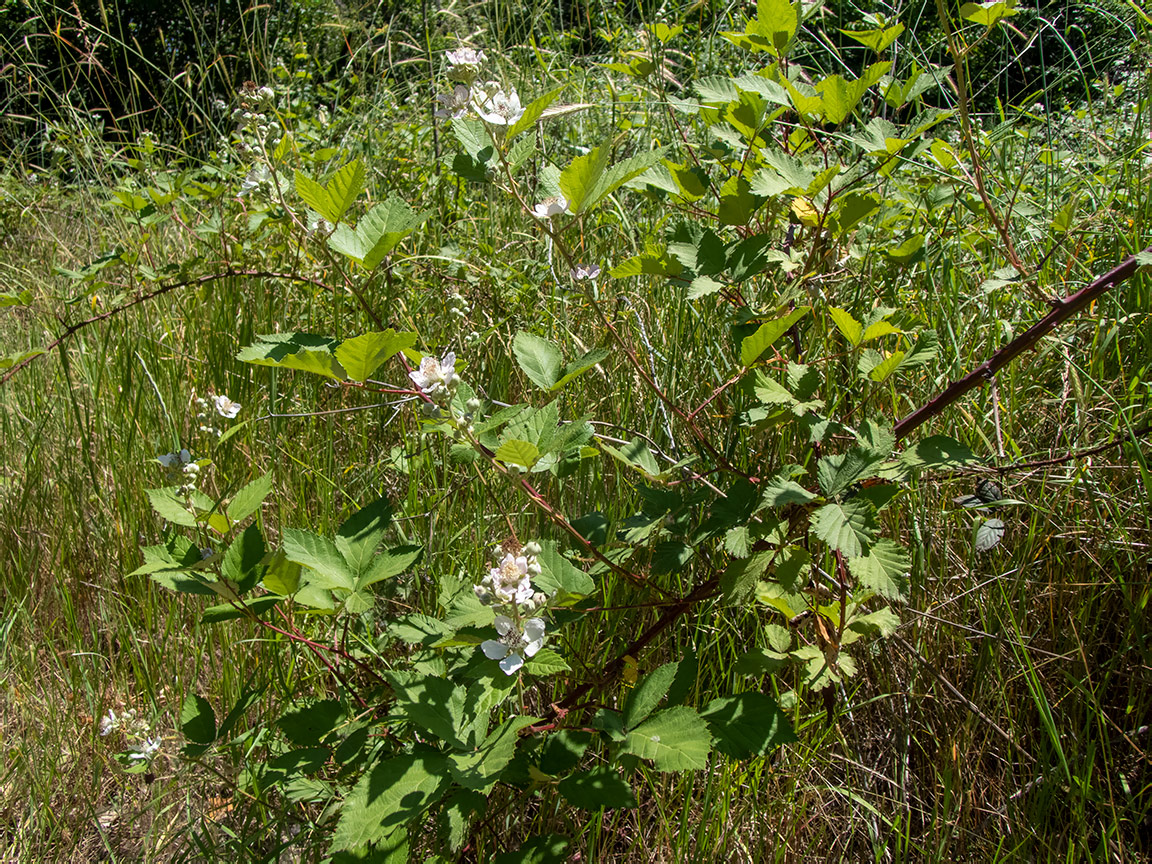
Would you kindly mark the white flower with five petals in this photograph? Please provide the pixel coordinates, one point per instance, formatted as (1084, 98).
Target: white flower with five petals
(550, 207)
(225, 407)
(514, 645)
(455, 103)
(500, 109)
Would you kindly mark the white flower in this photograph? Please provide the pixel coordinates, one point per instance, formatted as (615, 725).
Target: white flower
(500, 109)
(146, 750)
(455, 103)
(585, 271)
(513, 646)
(109, 722)
(509, 581)
(436, 379)
(225, 407)
(550, 207)
(172, 460)
(465, 57)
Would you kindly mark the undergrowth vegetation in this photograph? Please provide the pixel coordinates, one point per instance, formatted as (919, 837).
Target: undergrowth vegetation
(507, 433)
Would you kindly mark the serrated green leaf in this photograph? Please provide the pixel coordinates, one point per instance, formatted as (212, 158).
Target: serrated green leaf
(532, 113)
(388, 564)
(579, 366)
(378, 233)
(361, 533)
(558, 574)
(883, 622)
(303, 351)
(635, 454)
(753, 346)
(515, 452)
(675, 740)
(248, 500)
(540, 359)
(619, 174)
(883, 570)
(647, 693)
(229, 611)
(434, 704)
(848, 326)
(394, 792)
(546, 662)
(599, 788)
(877, 39)
(747, 725)
(170, 506)
(988, 534)
(282, 576)
(481, 768)
(884, 369)
(579, 179)
(315, 196)
(306, 725)
(938, 451)
(362, 355)
(849, 527)
(344, 188)
(243, 561)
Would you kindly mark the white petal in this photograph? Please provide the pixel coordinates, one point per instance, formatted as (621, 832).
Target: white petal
(504, 625)
(511, 663)
(494, 650)
(531, 648)
(534, 629)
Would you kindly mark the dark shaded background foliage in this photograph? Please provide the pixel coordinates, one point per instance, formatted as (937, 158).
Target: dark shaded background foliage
(119, 67)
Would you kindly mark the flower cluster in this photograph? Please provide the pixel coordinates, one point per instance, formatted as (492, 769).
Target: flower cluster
(143, 746)
(437, 379)
(224, 406)
(489, 100)
(508, 587)
(182, 469)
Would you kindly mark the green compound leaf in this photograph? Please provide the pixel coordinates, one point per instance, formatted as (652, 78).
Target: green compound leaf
(882, 622)
(540, 359)
(227, 612)
(675, 740)
(363, 531)
(579, 366)
(315, 196)
(362, 355)
(244, 559)
(481, 768)
(599, 788)
(390, 563)
(849, 527)
(393, 793)
(884, 570)
(378, 233)
(648, 693)
(760, 341)
(320, 555)
(747, 725)
(434, 704)
(849, 327)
